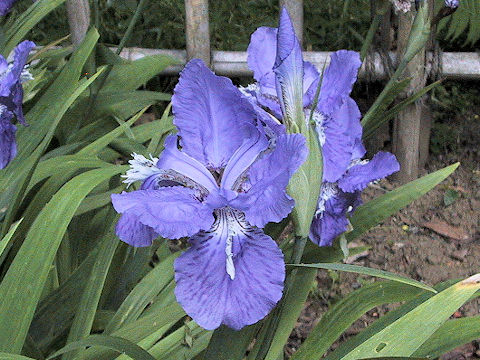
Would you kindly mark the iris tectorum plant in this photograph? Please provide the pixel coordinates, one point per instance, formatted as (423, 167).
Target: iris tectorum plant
(218, 181)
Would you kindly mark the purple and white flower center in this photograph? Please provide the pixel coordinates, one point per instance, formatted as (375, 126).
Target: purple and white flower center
(319, 119)
(327, 191)
(141, 168)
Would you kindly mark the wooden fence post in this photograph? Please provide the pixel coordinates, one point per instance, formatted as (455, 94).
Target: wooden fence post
(295, 9)
(78, 12)
(197, 30)
(406, 136)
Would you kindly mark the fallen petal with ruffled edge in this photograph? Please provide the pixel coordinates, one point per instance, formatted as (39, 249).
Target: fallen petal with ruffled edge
(243, 295)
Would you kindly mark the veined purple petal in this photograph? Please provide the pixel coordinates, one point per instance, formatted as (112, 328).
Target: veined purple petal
(266, 200)
(288, 67)
(338, 80)
(131, 231)
(342, 131)
(209, 113)
(8, 146)
(359, 176)
(233, 274)
(172, 212)
(245, 155)
(332, 222)
(174, 159)
(12, 75)
(310, 82)
(261, 57)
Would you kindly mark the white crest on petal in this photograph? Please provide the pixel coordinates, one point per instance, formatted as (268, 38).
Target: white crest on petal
(26, 75)
(327, 191)
(319, 119)
(141, 168)
(249, 90)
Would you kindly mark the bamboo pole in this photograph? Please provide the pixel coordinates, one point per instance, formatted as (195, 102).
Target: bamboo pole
(295, 9)
(78, 12)
(197, 30)
(406, 130)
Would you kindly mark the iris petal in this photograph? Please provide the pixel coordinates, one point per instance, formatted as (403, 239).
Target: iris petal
(209, 114)
(267, 200)
(131, 231)
(359, 176)
(338, 80)
(173, 212)
(210, 294)
(174, 159)
(8, 147)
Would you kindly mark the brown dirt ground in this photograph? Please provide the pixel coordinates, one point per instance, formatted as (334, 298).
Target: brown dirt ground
(404, 245)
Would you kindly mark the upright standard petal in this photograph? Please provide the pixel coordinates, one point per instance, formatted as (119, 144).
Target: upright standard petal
(209, 114)
(245, 155)
(261, 57)
(266, 199)
(172, 212)
(176, 160)
(8, 146)
(288, 69)
(233, 274)
(359, 176)
(342, 131)
(338, 80)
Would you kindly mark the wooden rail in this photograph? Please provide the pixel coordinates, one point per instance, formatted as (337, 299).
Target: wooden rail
(455, 65)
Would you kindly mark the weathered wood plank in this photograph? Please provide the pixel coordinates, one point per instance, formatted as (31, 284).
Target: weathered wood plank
(197, 30)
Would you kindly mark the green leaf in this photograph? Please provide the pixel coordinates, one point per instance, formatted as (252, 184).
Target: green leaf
(87, 307)
(450, 335)
(367, 271)
(375, 115)
(5, 242)
(292, 305)
(143, 294)
(377, 210)
(350, 308)
(236, 342)
(30, 268)
(114, 343)
(450, 197)
(26, 21)
(7, 356)
(136, 73)
(404, 336)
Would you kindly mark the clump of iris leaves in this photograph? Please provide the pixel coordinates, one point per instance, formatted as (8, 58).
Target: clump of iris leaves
(70, 288)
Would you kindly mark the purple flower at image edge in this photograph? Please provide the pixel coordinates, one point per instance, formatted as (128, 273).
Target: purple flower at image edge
(11, 97)
(219, 182)
(5, 6)
(336, 118)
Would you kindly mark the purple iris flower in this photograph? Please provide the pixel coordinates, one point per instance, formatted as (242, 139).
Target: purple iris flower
(5, 6)
(219, 181)
(11, 97)
(336, 118)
